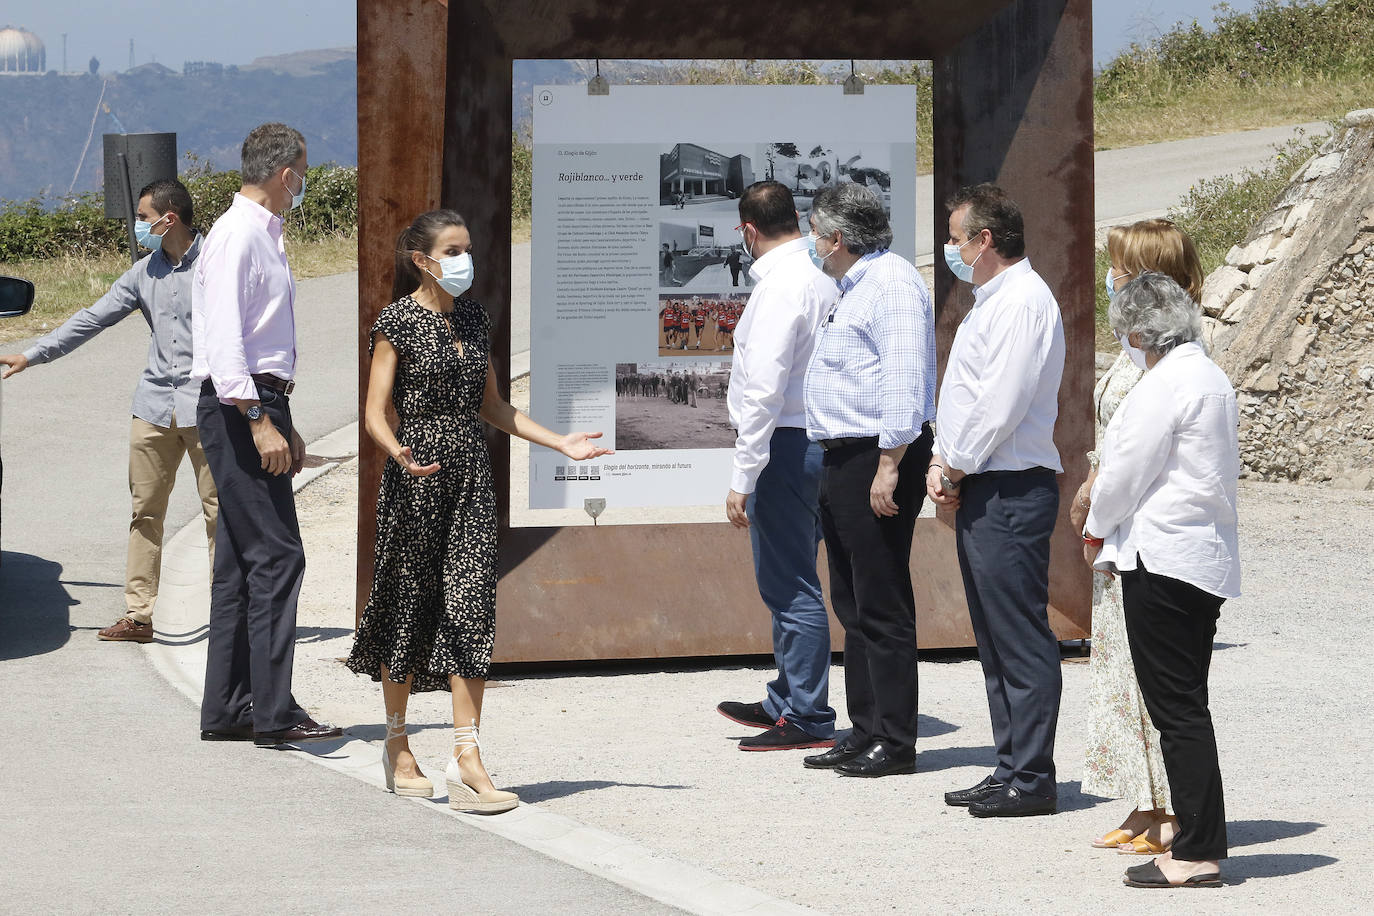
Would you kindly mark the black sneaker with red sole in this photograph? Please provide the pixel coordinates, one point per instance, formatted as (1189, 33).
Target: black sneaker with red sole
(784, 736)
(750, 714)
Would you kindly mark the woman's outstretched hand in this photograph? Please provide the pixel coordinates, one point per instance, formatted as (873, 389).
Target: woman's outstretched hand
(407, 461)
(579, 447)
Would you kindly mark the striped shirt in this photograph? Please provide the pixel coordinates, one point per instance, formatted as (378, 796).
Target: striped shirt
(873, 370)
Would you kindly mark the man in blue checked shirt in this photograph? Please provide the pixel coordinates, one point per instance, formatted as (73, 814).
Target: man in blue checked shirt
(870, 397)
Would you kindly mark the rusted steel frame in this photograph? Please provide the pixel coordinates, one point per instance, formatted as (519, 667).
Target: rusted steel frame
(616, 592)
(401, 99)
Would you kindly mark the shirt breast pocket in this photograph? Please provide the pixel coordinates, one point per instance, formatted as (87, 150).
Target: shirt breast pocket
(838, 345)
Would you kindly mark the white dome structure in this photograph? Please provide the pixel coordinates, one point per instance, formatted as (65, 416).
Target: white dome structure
(21, 51)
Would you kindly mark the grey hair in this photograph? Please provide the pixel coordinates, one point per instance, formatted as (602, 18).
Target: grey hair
(268, 148)
(857, 213)
(1157, 309)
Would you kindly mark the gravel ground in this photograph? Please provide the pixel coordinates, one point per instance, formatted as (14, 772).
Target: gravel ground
(641, 752)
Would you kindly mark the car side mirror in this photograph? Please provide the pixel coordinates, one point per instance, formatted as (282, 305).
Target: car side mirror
(16, 297)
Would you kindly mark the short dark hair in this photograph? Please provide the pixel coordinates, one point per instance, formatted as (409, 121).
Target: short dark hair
(170, 195)
(990, 208)
(267, 148)
(768, 206)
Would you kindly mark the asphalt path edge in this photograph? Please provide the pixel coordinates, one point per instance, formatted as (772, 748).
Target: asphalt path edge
(179, 658)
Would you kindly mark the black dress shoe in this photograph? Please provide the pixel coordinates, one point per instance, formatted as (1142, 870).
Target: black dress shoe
(965, 797)
(840, 753)
(1012, 802)
(231, 733)
(303, 732)
(881, 758)
(750, 714)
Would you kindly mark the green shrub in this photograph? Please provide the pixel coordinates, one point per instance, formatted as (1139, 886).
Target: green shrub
(1297, 40)
(42, 227)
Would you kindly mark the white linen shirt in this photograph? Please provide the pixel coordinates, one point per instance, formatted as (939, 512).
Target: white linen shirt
(773, 344)
(242, 306)
(1000, 394)
(1166, 487)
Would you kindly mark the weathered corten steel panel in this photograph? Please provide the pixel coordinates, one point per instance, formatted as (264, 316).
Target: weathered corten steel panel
(401, 92)
(1013, 105)
(680, 590)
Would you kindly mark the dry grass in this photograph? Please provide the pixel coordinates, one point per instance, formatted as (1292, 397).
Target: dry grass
(67, 284)
(1222, 107)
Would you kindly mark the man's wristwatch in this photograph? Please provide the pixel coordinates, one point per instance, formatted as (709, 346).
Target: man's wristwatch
(253, 413)
(947, 484)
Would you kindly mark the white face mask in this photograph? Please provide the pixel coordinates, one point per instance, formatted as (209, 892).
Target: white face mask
(457, 273)
(1136, 354)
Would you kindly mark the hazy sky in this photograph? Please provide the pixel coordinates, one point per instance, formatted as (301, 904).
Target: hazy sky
(238, 32)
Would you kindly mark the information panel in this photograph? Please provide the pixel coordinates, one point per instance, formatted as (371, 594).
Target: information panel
(639, 274)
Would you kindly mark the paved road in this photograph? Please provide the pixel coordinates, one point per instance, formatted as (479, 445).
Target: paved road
(112, 804)
(1135, 183)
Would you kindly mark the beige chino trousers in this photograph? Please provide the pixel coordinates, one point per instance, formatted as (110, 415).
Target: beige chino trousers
(155, 453)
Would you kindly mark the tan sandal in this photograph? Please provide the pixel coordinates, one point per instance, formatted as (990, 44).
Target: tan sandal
(1143, 846)
(1115, 839)
(463, 797)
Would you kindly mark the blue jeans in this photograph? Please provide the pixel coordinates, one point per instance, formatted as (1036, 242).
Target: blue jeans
(784, 530)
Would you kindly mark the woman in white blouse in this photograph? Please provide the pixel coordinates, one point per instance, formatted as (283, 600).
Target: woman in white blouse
(1163, 517)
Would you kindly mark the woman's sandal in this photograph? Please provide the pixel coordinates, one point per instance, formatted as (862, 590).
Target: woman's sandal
(463, 797)
(1114, 839)
(1149, 875)
(1142, 845)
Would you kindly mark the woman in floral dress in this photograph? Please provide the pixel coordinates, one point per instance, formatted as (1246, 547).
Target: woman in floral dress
(1123, 754)
(430, 620)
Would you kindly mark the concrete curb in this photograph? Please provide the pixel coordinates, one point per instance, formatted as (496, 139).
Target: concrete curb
(178, 656)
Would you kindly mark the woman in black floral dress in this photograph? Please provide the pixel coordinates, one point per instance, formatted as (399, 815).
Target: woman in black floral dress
(430, 620)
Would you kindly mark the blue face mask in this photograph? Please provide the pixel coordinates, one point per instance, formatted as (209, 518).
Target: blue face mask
(955, 260)
(299, 197)
(143, 231)
(1111, 283)
(457, 273)
(815, 257)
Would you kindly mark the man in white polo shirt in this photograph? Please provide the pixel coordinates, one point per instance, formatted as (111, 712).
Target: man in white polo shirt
(775, 482)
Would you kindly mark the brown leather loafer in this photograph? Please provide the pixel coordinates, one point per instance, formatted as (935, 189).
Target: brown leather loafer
(126, 629)
(303, 732)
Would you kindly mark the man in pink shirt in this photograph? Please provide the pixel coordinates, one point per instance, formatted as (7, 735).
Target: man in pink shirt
(243, 331)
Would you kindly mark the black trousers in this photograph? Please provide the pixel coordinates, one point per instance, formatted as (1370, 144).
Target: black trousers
(870, 587)
(259, 565)
(1002, 531)
(1170, 625)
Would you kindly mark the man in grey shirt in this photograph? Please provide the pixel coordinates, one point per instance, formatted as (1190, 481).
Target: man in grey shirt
(163, 427)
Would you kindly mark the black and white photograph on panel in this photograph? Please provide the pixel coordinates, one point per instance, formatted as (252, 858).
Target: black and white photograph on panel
(704, 255)
(809, 167)
(671, 404)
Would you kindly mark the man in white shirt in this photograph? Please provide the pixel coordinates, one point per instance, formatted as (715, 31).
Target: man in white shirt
(775, 482)
(243, 330)
(996, 461)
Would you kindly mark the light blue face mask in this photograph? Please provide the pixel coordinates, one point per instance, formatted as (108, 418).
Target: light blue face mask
(299, 197)
(815, 257)
(955, 261)
(1111, 283)
(143, 231)
(457, 273)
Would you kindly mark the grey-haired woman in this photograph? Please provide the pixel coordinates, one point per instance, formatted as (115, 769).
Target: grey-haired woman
(1163, 517)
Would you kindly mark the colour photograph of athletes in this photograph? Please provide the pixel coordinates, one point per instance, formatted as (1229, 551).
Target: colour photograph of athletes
(669, 404)
(702, 323)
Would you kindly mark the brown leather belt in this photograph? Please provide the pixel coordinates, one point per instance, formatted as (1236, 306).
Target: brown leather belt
(276, 384)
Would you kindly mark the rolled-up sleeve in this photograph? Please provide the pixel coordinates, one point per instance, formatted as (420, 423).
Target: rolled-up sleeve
(225, 275)
(124, 297)
(899, 331)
